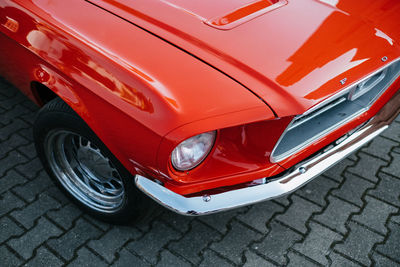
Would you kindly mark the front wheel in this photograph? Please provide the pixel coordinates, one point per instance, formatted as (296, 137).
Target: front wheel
(82, 166)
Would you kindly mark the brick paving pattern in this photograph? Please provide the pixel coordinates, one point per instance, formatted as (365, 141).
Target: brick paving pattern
(349, 216)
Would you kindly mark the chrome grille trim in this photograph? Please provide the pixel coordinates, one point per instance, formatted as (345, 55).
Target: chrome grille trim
(299, 120)
(334, 112)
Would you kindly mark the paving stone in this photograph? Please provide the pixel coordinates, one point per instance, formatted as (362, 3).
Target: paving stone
(317, 244)
(336, 172)
(6, 89)
(393, 132)
(355, 249)
(112, 241)
(340, 261)
(26, 244)
(258, 215)
(12, 101)
(210, 258)
(12, 109)
(86, 258)
(8, 258)
(382, 261)
(193, 242)
(367, 167)
(352, 189)
(28, 117)
(153, 241)
(277, 243)
(391, 247)
(353, 156)
(16, 111)
(126, 258)
(317, 190)
(396, 150)
(31, 106)
(13, 127)
(33, 211)
(66, 244)
(144, 225)
(284, 201)
(8, 202)
(295, 260)
(102, 225)
(387, 189)
(31, 189)
(12, 143)
(393, 167)
(219, 221)
(8, 229)
(253, 260)
(11, 179)
(26, 133)
(55, 193)
(380, 147)
(179, 223)
(395, 219)
(169, 259)
(375, 214)
(31, 168)
(65, 216)
(298, 213)
(28, 150)
(336, 214)
(235, 241)
(44, 257)
(12, 159)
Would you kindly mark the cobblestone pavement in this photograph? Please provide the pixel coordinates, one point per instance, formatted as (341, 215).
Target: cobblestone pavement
(348, 216)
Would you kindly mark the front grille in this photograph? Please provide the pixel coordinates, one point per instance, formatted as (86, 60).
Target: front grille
(334, 112)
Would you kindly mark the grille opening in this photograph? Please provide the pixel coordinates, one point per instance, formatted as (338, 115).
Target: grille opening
(334, 112)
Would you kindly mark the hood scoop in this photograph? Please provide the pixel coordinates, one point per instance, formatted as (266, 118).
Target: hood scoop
(225, 14)
(245, 13)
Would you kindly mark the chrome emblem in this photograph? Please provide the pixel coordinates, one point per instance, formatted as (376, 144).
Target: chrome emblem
(343, 81)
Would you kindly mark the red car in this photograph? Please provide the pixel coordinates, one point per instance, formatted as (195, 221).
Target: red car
(204, 105)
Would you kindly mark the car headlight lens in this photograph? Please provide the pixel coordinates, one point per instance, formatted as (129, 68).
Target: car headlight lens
(192, 151)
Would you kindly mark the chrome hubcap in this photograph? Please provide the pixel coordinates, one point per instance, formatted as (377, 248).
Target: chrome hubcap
(84, 171)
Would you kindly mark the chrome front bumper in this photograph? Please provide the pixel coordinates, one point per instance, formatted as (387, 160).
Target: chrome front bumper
(289, 182)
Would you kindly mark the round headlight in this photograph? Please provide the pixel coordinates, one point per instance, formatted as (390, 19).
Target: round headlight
(192, 151)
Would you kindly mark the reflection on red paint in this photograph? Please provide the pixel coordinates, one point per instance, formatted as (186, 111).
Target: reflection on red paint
(11, 24)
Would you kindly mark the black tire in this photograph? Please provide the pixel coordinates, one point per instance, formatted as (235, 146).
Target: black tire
(57, 118)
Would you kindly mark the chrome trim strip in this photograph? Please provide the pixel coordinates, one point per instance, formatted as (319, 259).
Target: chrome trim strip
(354, 95)
(347, 90)
(323, 109)
(299, 176)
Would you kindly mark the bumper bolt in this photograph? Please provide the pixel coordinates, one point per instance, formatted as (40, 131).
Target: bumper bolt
(206, 198)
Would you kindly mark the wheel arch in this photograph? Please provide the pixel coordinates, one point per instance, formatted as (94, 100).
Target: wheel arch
(47, 84)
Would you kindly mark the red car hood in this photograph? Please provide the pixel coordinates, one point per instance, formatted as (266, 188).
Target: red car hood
(293, 54)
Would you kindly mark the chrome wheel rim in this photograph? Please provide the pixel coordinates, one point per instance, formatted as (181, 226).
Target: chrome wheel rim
(84, 171)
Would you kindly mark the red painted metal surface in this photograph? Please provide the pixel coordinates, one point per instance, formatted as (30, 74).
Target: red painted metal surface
(147, 74)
